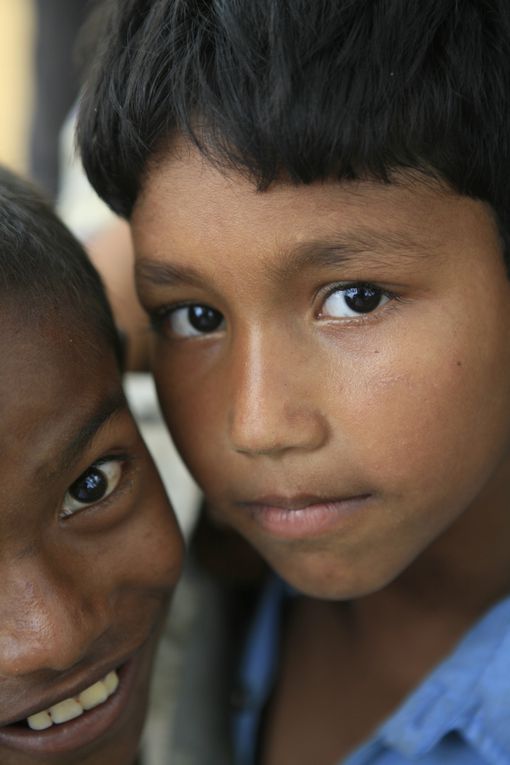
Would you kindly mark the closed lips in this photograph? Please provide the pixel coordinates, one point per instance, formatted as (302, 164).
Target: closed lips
(75, 706)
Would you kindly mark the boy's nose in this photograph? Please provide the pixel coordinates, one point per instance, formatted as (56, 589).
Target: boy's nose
(44, 624)
(271, 409)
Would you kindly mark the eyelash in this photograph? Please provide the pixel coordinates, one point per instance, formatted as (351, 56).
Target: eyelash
(158, 316)
(344, 286)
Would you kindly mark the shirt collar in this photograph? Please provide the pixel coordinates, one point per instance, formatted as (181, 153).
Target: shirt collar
(468, 693)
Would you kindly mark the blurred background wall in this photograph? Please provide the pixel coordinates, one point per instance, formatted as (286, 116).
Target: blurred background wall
(39, 82)
(16, 57)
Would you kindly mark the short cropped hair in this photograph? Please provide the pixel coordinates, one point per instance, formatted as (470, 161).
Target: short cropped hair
(303, 89)
(43, 267)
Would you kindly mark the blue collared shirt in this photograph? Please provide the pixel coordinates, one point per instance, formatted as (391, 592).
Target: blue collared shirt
(459, 715)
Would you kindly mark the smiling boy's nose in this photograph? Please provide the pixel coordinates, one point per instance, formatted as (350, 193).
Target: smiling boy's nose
(270, 410)
(44, 623)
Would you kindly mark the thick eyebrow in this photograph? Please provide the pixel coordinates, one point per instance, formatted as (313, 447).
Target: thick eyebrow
(373, 246)
(167, 274)
(81, 438)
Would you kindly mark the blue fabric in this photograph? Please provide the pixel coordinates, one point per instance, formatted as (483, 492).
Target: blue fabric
(257, 671)
(459, 715)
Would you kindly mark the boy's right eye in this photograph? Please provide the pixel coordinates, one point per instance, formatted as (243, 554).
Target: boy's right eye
(193, 320)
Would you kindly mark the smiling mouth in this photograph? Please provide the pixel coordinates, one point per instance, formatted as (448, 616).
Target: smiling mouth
(79, 720)
(75, 706)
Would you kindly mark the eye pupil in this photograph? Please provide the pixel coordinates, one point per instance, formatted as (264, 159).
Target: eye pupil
(204, 319)
(90, 486)
(362, 298)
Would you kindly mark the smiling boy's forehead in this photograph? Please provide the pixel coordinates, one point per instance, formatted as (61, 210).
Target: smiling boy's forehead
(55, 394)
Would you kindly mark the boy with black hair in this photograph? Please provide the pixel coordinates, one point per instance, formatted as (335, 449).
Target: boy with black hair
(89, 547)
(319, 201)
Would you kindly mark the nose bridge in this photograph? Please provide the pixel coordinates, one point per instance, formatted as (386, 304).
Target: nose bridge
(272, 402)
(45, 621)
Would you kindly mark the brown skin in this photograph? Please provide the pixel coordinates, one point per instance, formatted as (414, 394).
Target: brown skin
(111, 251)
(82, 591)
(408, 404)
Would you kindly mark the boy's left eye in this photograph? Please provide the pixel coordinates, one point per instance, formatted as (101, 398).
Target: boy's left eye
(95, 484)
(353, 300)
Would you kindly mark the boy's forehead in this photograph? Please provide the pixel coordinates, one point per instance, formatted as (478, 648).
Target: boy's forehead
(54, 381)
(187, 203)
(53, 328)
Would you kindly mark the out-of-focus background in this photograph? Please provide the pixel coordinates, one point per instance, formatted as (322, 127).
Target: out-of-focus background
(39, 83)
(16, 38)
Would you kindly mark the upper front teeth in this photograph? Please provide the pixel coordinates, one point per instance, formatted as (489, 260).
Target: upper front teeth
(74, 707)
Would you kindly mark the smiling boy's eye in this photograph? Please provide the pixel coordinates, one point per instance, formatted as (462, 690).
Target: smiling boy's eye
(94, 485)
(193, 320)
(353, 300)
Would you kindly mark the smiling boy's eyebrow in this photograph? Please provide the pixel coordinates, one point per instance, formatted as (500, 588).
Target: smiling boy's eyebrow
(375, 246)
(82, 437)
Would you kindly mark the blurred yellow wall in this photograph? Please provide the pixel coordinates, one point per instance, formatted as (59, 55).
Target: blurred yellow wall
(16, 31)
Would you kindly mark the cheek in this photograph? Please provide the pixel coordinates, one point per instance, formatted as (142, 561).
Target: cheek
(150, 551)
(433, 414)
(194, 412)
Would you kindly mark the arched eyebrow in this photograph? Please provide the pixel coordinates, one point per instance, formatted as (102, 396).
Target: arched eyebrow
(372, 247)
(362, 246)
(82, 436)
(167, 274)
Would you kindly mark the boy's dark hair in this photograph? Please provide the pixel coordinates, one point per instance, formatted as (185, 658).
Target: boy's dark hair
(43, 268)
(304, 90)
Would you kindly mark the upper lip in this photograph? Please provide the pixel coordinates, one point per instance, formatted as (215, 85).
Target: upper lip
(298, 501)
(73, 689)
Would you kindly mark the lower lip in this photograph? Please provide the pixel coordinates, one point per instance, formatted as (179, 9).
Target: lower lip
(75, 734)
(310, 521)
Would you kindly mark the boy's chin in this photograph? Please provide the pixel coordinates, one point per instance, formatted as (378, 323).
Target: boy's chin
(326, 577)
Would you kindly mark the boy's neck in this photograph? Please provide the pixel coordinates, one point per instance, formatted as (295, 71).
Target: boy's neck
(363, 657)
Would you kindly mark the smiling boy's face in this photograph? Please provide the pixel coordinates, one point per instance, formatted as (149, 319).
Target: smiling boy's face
(89, 552)
(334, 364)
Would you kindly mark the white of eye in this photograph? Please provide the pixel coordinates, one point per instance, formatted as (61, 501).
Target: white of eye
(342, 305)
(184, 324)
(93, 486)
